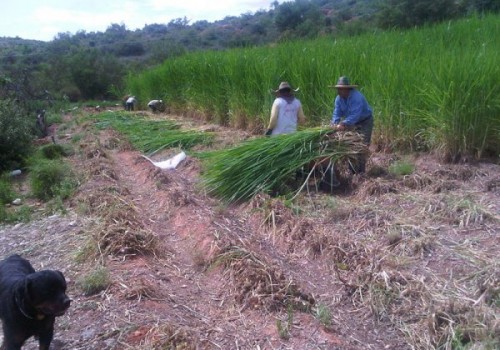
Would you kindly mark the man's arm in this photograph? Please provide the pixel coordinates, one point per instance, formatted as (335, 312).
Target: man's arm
(274, 116)
(336, 111)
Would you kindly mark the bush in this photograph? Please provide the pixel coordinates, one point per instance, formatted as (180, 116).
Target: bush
(54, 151)
(50, 178)
(16, 134)
(72, 93)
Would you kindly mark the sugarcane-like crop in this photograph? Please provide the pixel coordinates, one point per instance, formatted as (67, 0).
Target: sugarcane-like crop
(264, 164)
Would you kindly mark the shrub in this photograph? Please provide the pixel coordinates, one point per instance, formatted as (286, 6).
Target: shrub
(16, 133)
(50, 178)
(54, 151)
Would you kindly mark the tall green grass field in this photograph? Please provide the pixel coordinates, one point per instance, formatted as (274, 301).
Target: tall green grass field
(432, 89)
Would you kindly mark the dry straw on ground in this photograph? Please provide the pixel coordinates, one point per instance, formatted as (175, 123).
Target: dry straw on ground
(119, 229)
(257, 284)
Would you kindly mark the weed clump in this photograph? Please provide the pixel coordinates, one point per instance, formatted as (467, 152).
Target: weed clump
(323, 314)
(95, 281)
(401, 168)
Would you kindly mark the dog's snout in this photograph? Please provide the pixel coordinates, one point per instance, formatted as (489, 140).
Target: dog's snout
(66, 302)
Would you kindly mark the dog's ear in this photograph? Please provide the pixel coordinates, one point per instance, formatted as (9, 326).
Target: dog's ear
(62, 276)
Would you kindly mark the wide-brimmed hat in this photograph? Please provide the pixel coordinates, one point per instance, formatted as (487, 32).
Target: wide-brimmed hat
(284, 85)
(343, 83)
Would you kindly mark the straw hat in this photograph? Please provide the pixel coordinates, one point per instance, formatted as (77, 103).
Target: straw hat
(285, 85)
(343, 82)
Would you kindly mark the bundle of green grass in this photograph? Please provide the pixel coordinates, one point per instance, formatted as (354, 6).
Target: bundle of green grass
(263, 164)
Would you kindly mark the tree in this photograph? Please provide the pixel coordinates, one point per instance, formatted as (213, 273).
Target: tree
(15, 134)
(302, 15)
(93, 73)
(410, 13)
(483, 5)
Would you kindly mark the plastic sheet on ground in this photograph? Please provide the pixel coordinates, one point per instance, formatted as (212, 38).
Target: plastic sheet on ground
(170, 163)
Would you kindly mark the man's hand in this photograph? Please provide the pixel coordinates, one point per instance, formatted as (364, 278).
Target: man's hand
(340, 127)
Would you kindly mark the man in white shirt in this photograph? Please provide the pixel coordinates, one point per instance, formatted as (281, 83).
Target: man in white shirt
(129, 104)
(156, 105)
(286, 112)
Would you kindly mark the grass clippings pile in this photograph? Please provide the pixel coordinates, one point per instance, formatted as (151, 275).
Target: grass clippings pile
(268, 164)
(257, 284)
(119, 230)
(122, 231)
(162, 336)
(281, 220)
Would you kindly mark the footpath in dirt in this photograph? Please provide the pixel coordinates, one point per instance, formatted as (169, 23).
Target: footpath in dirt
(392, 263)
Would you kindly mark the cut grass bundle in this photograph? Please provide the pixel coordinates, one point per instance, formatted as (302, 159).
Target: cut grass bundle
(264, 164)
(150, 136)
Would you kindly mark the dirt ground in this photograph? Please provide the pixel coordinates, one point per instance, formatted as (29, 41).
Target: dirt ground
(392, 262)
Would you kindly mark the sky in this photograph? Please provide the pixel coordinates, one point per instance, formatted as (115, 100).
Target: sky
(44, 19)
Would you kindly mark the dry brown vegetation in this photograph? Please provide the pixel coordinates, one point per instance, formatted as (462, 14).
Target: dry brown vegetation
(391, 262)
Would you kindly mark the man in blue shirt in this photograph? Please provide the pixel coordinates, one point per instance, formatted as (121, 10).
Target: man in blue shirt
(352, 112)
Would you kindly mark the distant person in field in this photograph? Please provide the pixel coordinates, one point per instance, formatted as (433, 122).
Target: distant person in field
(286, 112)
(130, 103)
(156, 105)
(352, 112)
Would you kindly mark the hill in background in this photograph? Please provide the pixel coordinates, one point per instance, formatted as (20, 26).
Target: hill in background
(91, 65)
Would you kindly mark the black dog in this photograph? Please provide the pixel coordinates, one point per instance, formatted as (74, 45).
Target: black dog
(29, 302)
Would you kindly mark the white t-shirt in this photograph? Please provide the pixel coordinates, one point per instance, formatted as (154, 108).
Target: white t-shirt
(287, 116)
(154, 102)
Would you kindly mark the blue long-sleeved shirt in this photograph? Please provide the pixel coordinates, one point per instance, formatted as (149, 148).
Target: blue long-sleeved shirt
(353, 109)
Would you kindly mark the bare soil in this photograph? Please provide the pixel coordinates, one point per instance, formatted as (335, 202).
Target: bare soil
(392, 262)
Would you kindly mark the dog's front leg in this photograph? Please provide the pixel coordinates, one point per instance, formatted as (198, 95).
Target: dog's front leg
(45, 338)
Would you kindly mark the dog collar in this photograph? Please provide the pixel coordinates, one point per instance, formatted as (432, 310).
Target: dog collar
(38, 316)
(22, 310)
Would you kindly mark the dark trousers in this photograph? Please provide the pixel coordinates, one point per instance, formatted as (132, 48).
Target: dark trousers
(365, 128)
